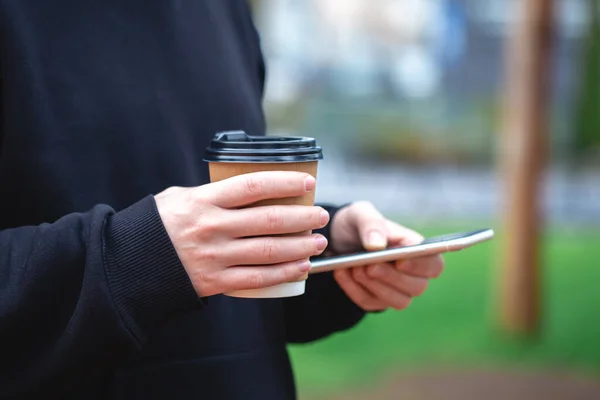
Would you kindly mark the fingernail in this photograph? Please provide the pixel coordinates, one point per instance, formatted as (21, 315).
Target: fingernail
(303, 265)
(321, 243)
(309, 183)
(324, 217)
(376, 240)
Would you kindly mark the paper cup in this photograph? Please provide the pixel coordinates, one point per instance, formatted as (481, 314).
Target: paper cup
(236, 153)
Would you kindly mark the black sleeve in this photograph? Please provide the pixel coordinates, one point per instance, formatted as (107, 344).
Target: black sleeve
(77, 295)
(323, 309)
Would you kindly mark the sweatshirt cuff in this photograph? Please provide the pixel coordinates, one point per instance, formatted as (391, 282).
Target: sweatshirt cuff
(147, 281)
(346, 310)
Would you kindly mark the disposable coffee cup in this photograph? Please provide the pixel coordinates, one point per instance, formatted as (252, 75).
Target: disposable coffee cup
(236, 153)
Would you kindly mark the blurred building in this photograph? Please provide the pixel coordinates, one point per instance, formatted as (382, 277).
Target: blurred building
(403, 92)
(414, 45)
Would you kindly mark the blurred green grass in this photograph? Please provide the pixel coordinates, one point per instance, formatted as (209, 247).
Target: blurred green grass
(454, 323)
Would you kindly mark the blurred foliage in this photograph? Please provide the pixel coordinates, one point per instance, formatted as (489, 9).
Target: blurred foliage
(287, 117)
(383, 131)
(451, 127)
(453, 324)
(468, 137)
(586, 138)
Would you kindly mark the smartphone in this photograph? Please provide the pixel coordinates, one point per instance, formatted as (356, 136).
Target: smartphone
(429, 246)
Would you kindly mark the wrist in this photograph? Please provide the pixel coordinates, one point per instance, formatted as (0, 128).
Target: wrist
(146, 278)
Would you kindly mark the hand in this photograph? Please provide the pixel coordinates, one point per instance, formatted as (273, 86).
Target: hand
(377, 287)
(225, 248)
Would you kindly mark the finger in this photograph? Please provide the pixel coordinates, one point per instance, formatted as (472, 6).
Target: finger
(360, 296)
(359, 275)
(273, 220)
(256, 277)
(399, 235)
(411, 286)
(270, 250)
(246, 189)
(388, 295)
(424, 267)
(370, 224)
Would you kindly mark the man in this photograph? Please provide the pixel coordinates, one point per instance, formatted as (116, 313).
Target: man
(114, 250)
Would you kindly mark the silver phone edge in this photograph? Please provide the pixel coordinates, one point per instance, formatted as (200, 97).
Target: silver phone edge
(356, 260)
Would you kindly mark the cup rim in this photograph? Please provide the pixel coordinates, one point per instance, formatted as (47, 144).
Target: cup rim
(239, 147)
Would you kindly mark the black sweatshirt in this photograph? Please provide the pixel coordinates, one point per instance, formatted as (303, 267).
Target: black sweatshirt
(105, 103)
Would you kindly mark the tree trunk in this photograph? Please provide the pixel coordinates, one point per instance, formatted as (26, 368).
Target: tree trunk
(523, 156)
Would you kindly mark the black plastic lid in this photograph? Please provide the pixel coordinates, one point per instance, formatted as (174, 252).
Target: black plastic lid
(237, 146)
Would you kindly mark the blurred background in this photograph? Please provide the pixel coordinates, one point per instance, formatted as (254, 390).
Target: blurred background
(406, 98)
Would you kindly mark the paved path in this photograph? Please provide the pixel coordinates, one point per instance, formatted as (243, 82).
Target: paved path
(470, 385)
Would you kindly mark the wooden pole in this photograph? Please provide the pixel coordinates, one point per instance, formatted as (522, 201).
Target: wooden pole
(523, 156)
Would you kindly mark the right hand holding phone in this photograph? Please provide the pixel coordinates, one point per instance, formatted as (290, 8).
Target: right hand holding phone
(225, 248)
(360, 226)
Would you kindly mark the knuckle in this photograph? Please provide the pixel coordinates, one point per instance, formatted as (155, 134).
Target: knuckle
(253, 186)
(207, 255)
(269, 250)
(364, 301)
(359, 274)
(414, 236)
(274, 218)
(199, 195)
(207, 227)
(431, 271)
(362, 204)
(255, 280)
(205, 283)
(378, 272)
(341, 276)
(410, 267)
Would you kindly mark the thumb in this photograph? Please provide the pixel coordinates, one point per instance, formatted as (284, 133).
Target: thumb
(371, 227)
